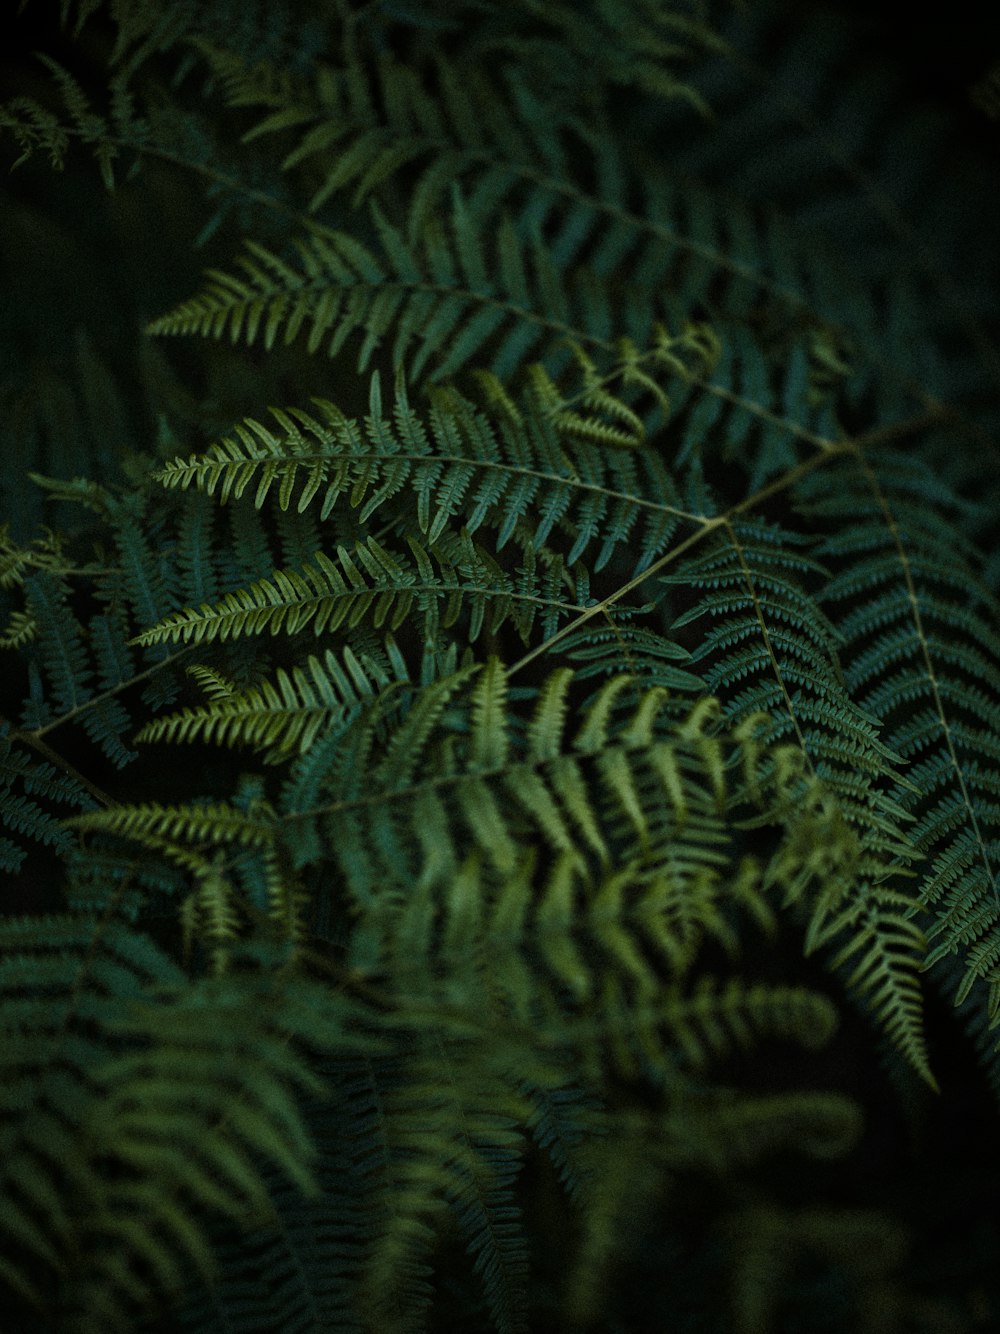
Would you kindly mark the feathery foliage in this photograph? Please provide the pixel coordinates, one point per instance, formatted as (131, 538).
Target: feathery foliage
(465, 840)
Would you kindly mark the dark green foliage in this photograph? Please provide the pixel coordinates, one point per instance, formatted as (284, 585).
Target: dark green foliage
(501, 726)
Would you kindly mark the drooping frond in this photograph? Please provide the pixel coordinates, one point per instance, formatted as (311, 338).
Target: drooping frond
(921, 638)
(443, 1119)
(769, 647)
(302, 1263)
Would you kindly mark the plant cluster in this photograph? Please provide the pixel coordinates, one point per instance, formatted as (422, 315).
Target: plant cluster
(500, 757)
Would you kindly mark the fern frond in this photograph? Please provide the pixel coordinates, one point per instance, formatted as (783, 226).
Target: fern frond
(613, 1200)
(211, 822)
(374, 581)
(454, 1143)
(700, 1128)
(769, 644)
(562, 1120)
(16, 559)
(359, 127)
(637, 865)
(646, 655)
(63, 983)
(887, 941)
(87, 667)
(37, 129)
(820, 1125)
(488, 132)
(447, 294)
(534, 464)
(304, 1263)
(589, 58)
(81, 491)
(921, 652)
(60, 640)
(243, 1075)
(106, 874)
(771, 649)
(281, 718)
(22, 780)
(143, 577)
(21, 629)
(709, 1022)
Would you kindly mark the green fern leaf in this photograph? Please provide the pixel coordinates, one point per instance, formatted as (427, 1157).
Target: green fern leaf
(921, 653)
(772, 650)
(509, 473)
(280, 718)
(216, 822)
(329, 594)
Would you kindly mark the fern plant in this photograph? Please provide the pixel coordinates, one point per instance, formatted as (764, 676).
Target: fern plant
(501, 753)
